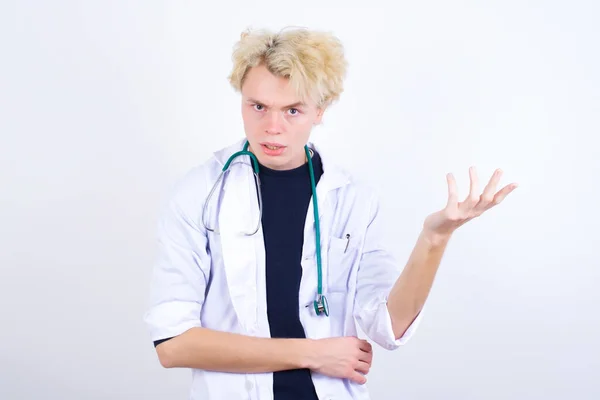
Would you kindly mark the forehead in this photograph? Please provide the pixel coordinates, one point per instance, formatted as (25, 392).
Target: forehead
(271, 90)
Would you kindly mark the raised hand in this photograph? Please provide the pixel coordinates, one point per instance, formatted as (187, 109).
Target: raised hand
(456, 214)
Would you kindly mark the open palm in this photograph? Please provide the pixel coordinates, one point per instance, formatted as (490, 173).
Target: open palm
(456, 213)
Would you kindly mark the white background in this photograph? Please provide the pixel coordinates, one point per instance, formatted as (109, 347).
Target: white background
(104, 104)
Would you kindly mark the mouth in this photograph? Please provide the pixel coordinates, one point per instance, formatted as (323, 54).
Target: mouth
(272, 146)
(273, 149)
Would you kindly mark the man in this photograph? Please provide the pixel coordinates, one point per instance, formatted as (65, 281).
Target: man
(264, 302)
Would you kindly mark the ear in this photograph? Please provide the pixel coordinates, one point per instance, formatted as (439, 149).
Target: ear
(320, 112)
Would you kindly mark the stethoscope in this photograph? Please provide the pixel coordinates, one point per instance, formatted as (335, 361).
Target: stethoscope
(320, 304)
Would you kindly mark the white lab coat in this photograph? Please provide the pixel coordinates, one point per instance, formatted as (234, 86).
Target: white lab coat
(204, 279)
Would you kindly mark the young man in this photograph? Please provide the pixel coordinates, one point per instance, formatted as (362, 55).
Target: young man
(264, 302)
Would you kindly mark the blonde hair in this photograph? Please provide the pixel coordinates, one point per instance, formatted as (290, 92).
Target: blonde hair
(313, 61)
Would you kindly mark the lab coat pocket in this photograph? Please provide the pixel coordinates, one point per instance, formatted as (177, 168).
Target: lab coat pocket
(343, 254)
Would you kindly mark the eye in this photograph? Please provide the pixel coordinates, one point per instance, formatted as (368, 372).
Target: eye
(294, 111)
(258, 107)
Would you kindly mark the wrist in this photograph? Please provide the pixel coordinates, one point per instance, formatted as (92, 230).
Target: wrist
(435, 239)
(307, 354)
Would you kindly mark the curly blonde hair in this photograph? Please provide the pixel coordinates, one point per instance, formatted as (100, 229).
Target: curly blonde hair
(313, 61)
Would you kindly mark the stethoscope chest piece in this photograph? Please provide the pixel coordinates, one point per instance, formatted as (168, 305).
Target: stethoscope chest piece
(321, 306)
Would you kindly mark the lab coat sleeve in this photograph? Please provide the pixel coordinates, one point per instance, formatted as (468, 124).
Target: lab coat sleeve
(181, 268)
(377, 273)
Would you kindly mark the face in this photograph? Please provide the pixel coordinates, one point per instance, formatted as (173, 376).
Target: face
(276, 122)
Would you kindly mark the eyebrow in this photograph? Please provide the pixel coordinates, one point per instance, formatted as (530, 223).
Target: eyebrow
(296, 104)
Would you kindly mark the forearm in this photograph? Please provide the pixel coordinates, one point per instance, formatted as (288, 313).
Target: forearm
(208, 349)
(409, 293)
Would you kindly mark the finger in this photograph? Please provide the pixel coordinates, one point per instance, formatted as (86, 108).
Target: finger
(503, 193)
(488, 192)
(366, 356)
(358, 378)
(473, 197)
(452, 191)
(363, 367)
(474, 187)
(365, 346)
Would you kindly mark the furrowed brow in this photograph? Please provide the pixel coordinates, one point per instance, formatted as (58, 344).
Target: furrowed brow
(296, 104)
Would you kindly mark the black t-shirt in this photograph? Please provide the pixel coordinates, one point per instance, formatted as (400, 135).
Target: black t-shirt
(286, 197)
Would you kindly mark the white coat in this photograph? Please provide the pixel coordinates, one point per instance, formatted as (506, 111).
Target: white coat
(217, 281)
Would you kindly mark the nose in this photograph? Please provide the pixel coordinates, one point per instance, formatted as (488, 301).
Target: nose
(275, 123)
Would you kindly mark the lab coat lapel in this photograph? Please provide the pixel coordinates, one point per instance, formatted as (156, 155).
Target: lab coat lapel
(239, 214)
